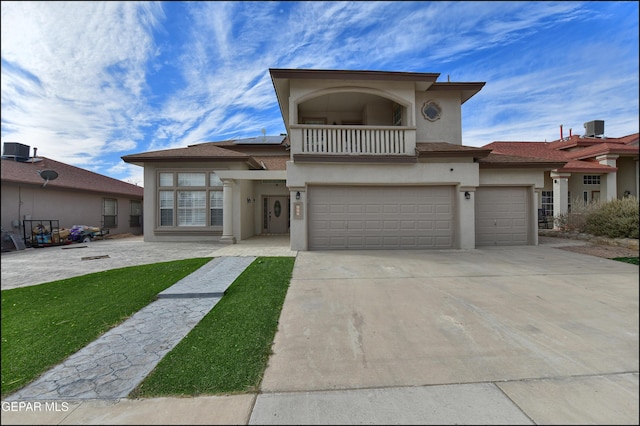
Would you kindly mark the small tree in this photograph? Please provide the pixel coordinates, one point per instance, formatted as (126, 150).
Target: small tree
(615, 219)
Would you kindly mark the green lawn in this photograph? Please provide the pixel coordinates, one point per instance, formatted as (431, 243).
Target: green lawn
(227, 352)
(44, 324)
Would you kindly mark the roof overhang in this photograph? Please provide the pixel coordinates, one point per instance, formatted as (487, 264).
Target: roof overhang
(191, 159)
(467, 90)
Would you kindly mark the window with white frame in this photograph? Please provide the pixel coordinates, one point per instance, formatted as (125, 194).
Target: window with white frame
(110, 213)
(165, 202)
(192, 208)
(547, 203)
(591, 179)
(185, 197)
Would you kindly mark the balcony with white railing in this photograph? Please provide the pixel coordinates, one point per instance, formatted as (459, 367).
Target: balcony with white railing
(353, 140)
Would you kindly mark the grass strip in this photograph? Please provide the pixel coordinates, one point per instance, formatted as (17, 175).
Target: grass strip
(228, 350)
(631, 260)
(44, 324)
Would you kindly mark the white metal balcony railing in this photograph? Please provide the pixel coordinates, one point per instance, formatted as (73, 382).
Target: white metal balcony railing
(354, 140)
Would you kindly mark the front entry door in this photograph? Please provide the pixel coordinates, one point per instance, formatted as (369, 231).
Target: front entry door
(277, 215)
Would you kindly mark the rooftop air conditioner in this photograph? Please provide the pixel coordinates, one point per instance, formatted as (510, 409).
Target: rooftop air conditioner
(16, 150)
(594, 128)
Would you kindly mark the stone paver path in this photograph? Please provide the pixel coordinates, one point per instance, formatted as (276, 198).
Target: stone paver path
(114, 364)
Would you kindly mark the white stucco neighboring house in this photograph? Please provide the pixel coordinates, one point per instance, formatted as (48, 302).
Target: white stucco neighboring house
(370, 160)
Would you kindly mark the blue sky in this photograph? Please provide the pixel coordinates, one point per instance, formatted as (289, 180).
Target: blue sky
(89, 82)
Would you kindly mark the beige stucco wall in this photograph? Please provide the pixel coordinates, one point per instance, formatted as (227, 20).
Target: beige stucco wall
(513, 177)
(246, 184)
(627, 178)
(301, 90)
(70, 208)
(462, 176)
(183, 234)
(446, 129)
(299, 175)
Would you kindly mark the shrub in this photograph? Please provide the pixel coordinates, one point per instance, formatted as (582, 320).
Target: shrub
(615, 219)
(576, 221)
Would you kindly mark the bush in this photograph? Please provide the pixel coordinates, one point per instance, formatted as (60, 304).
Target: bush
(576, 221)
(615, 219)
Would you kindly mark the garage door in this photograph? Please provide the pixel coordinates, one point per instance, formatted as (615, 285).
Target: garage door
(363, 217)
(502, 216)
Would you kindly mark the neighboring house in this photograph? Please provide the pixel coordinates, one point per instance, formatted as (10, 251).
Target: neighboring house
(370, 160)
(71, 195)
(597, 167)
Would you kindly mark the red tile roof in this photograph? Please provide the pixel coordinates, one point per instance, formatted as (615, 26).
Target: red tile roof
(69, 177)
(494, 160)
(581, 159)
(602, 149)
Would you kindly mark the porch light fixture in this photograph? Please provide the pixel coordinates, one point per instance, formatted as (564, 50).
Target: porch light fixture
(248, 200)
(298, 195)
(467, 195)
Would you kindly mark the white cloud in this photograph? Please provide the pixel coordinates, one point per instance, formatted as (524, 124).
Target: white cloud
(88, 82)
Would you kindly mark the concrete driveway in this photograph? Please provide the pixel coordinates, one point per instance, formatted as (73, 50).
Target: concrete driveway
(555, 331)
(517, 335)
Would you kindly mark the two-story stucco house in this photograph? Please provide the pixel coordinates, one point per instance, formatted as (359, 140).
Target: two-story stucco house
(370, 160)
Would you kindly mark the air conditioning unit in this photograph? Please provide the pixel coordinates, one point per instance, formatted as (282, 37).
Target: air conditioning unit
(594, 128)
(16, 150)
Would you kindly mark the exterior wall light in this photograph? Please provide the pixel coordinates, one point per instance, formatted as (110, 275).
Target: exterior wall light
(298, 195)
(467, 195)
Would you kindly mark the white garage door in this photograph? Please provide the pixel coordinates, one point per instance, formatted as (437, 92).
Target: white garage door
(502, 216)
(362, 217)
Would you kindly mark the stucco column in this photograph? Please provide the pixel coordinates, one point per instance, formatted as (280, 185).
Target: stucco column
(610, 187)
(467, 221)
(298, 223)
(560, 196)
(227, 212)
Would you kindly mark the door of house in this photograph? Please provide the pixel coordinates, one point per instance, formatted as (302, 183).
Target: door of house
(595, 196)
(277, 215)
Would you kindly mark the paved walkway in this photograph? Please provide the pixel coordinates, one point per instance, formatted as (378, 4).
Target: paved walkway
(114, 364)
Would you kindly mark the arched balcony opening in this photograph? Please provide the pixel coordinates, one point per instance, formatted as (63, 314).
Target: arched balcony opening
(352, 123)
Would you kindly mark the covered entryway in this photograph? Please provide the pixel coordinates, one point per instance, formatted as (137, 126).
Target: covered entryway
(275, 213)
(502, 216)
(375, 217)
